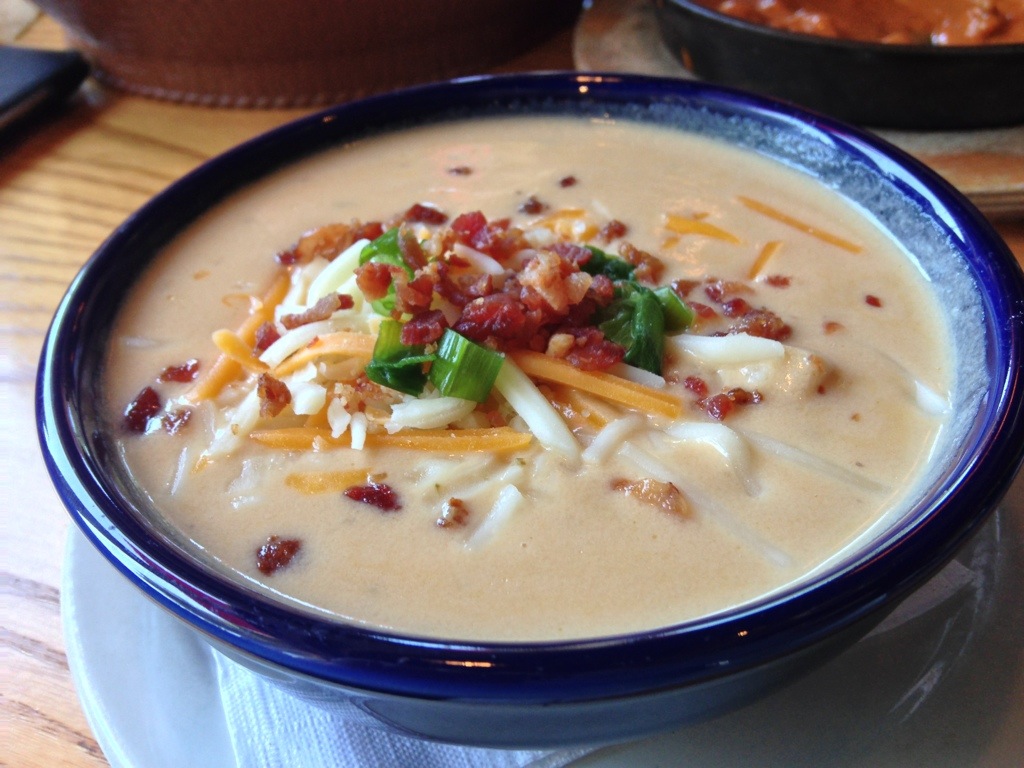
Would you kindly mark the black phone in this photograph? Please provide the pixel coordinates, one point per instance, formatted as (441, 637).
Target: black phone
(33, 81)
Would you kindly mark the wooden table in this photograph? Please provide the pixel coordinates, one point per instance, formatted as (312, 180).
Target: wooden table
(63, 189)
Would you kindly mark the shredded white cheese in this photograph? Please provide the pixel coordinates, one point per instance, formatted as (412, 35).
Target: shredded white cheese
(734, 349)
(336, 273)
(609, 438)
(508, 501)
(338, 417)
(727, 442)
(293, 341)
(429, 413)
(358, 430)
(540, 416)
(307, 398)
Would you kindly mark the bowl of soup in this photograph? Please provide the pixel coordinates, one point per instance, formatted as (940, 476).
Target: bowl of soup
(950, 65)
(539, 410)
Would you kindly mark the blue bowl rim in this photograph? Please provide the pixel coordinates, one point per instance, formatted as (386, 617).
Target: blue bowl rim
(363, 658)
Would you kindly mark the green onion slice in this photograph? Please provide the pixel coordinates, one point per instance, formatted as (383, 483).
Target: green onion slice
(463, 368)
(600, 263)
(678, 315)
(636, 321)
(385, 250)
(395, 364)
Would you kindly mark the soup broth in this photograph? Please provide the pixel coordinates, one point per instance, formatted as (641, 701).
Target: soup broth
(795, 401)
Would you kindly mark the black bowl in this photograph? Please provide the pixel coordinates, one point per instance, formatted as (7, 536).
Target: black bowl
(877, 84)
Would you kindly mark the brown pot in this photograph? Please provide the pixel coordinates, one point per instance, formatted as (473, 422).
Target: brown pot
(277, 53)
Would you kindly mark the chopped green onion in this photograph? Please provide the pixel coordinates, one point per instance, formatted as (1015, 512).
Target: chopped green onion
(460, 368)
(395, 364)
(463, 368)
(600, 263)
(636, 321)
(678, 315)
(385, 250)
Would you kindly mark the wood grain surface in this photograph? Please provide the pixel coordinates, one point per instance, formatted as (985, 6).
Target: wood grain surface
(64, 186)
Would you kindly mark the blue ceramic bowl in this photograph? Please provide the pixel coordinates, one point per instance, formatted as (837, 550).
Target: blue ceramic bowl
(609, 688)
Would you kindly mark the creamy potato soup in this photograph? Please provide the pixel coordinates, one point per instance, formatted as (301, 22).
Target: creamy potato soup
(528, 378)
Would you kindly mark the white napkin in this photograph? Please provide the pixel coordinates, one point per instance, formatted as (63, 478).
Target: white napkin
(15, 16)
(270, 728)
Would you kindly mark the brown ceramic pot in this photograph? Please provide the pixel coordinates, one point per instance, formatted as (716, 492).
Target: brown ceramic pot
(276, 53)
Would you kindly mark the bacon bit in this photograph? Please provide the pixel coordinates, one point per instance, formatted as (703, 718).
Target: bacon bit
(411, 250)
(855, 417)
(717, 290)
(832, 326)
(778, 281)
(872, 301)
(467, 225)
(379, 495)
(498, 315)
(567, 181)
(735, 307)
(323, 242)
(424, 328)
(371, 230)
(287, 258)
(573, 252)
(702, 311)
(532, 206)
(497, 238)
(176, 420)
(145, 406)
(602, 290)
(454, 260)
(697, 385)
(613, 230)
(374, 278)
(273, 394)
(463, 289)
(591, 351)
(424, 214)
(684, 287)
(764, 323)
(665, 496)
(266, 335)
(557, 280)
(413, 296)
(276, 553)
(648, 268)
(454, 513)
(180, 374)
(741, 396)
(460, 170)
(821, 389)
(322, 310)
(720, 406)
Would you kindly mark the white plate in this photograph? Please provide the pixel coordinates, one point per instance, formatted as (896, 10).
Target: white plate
(940, 684)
